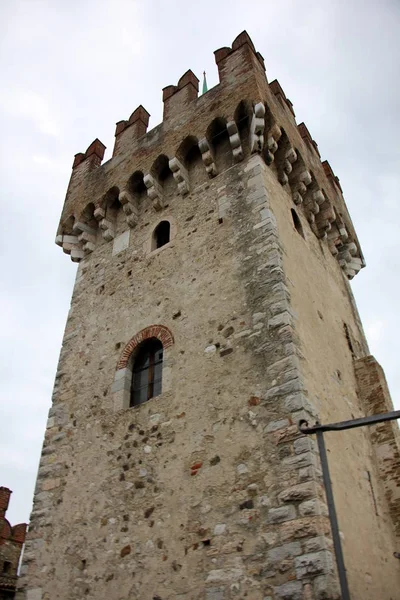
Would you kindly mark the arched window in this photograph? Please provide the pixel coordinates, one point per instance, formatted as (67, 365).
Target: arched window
(147, 372)
(161, 235)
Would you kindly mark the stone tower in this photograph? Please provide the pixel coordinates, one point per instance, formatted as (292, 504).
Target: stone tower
(211, 311)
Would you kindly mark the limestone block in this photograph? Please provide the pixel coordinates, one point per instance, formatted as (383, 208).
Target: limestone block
(207, 158)
(181, 175)
(293, 590)
(76, 254)
(79, 227)
(234, 139)
(228, 575)
(313, 507)
(307, 459)
(287, 166)
(154, 192)
(297, 198)
(107, 228)
(99, 213)
(305, 177)
(276, 425)
(286, 551)
(215, 593)
(319, 197)
(121, 242)
(295, 493)
(313, 563)
(281, 514)
(274, 135)
(257, 126)
(283, 318)
(317, 543)
(87, 241)
(130, 208)
(219, 529)
(326, 587)
(291, 155)
(283, 178)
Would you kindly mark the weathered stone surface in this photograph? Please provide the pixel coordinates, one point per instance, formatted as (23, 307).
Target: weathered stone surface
(215, 593)
(283, 513)
(305, 527)
(297, 493)
(313, 563)
(233, 297)
(285, 551)
(293, 590)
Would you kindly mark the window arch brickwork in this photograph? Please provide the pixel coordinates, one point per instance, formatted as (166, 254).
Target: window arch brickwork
(161, 332)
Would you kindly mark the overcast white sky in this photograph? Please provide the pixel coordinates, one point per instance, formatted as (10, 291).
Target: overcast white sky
(71, 68)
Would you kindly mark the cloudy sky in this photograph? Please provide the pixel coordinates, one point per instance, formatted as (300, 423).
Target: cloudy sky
(71, 68)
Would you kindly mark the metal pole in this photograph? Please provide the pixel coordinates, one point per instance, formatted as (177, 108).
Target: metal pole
(332, 516)
(362, 422)
(319, 429)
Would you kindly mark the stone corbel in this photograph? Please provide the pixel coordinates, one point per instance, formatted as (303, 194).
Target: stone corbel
(129, 206)
(76, 254)
(337, 235)
(325, 218)
(274, 135)
(257, 126)
(235, 141)
(207, 158)
(154, 192)
(290, 158)
(299, 188)
(88, 242)
(106, 226)
(348, 259)
(180, 174)
(86, 236)
(99, 213)
(70, 245)
(343, 233)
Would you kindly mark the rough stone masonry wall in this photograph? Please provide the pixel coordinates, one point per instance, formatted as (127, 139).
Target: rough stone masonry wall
(331, 343)
(207, 491)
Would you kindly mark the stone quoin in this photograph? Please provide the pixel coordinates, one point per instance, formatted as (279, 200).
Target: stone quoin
(211, 312)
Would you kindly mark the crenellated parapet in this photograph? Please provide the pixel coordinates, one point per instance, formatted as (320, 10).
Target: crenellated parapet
(242, 115)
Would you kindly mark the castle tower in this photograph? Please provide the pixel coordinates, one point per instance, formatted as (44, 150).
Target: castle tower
(11, 542)
(211, 312)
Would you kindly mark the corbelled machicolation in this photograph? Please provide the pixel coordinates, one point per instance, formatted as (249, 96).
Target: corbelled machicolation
(218, 128)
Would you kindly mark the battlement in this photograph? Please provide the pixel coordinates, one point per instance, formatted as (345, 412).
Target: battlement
(244, 112)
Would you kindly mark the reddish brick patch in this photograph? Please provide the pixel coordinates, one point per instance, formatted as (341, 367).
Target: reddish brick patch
(195, 467)
(254, 400)
(125, 551)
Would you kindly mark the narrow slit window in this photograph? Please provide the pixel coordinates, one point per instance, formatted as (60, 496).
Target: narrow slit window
(7, 567)
(147, 372)
(161, 235)
(297, 223)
